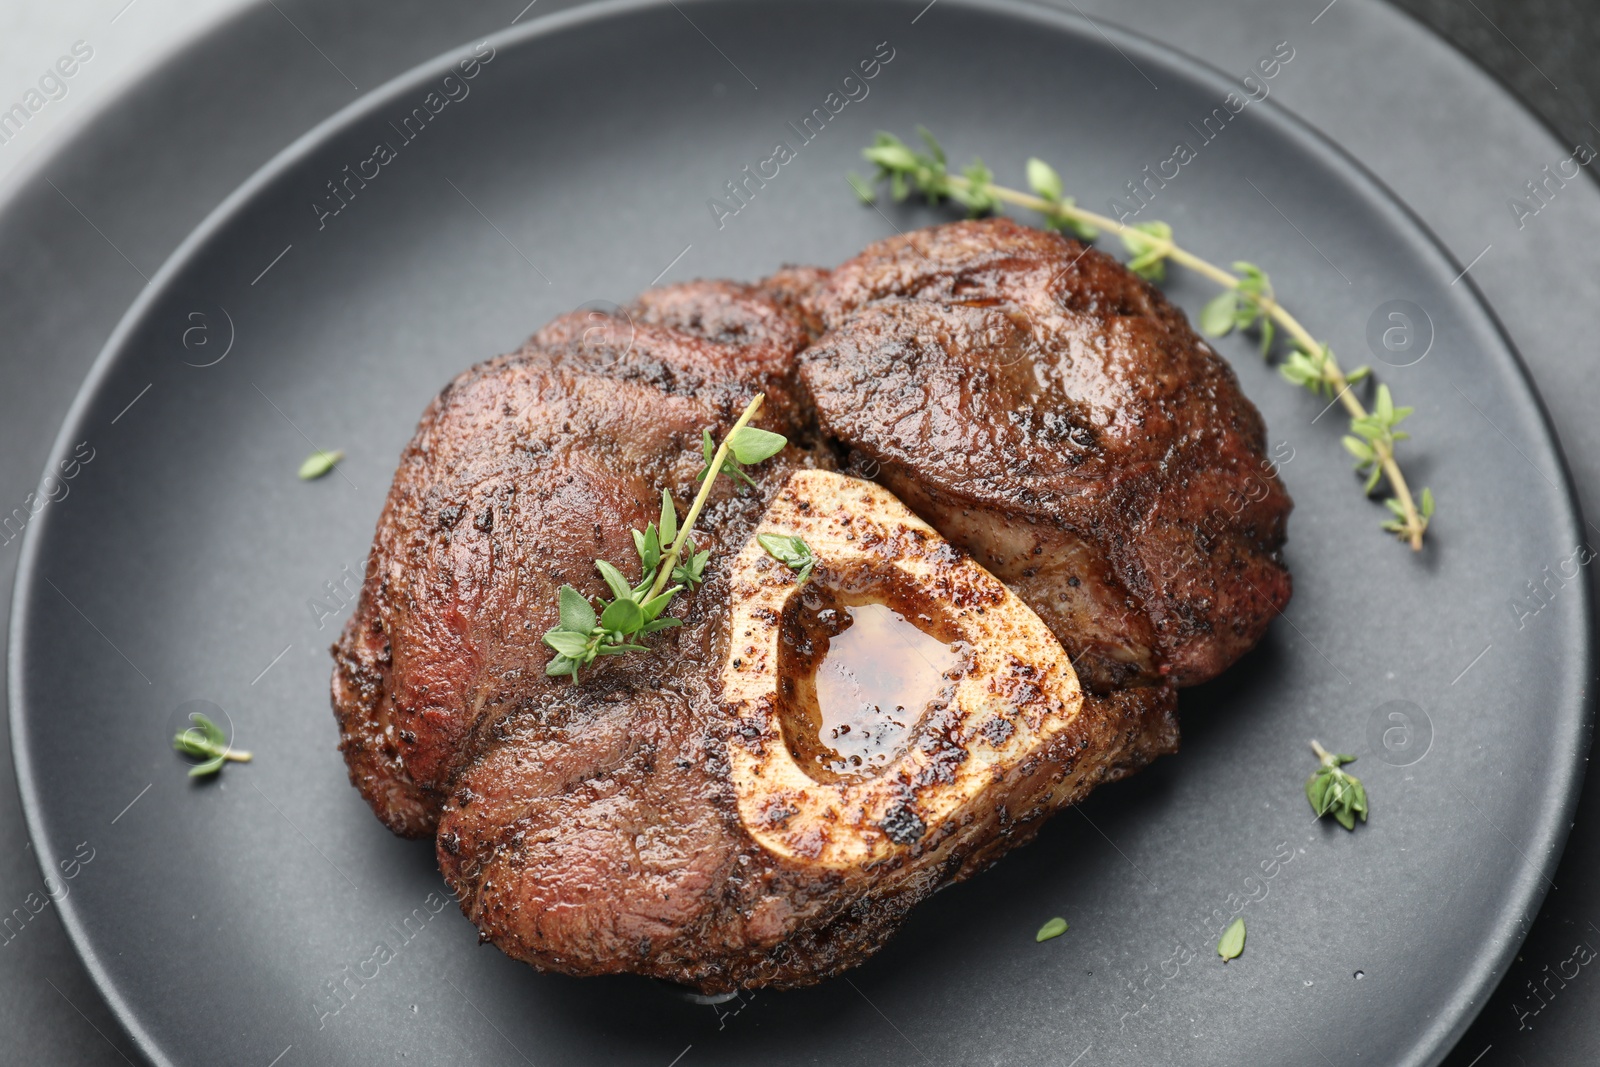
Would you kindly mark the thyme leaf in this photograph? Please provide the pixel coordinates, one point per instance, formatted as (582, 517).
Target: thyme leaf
(205, 741)
(792, 551)
(1232, 942)
(319, 463)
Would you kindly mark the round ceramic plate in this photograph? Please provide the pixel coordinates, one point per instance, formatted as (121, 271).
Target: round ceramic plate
(583, 158)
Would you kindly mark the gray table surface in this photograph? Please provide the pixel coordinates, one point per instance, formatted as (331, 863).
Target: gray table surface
(1469, 149)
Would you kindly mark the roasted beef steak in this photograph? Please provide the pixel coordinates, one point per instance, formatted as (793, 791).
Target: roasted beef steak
(1029, 401)
(523, 471)
(1057, 417)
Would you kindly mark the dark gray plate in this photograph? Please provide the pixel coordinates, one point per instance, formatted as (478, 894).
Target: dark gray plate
(194, 566)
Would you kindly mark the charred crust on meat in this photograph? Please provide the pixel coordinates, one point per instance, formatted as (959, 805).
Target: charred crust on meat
(903, 825)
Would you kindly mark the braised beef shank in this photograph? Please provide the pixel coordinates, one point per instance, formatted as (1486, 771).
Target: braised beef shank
(1036, 404)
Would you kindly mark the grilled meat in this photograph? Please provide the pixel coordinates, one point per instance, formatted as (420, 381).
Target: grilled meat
(656, 821)
(678, 814)
(523, 472)
(1057, 417)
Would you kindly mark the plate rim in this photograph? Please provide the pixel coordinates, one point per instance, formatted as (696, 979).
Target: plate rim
(1554, 821)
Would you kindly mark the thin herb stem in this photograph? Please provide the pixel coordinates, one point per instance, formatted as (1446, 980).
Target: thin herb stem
(197, 740)
(1333, 374)
(670, 560)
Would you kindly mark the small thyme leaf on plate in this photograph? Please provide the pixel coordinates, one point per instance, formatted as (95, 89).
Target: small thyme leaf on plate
(1216, 318)
(319, 463)
(588, 628)
(204, 740)
(1332, 791)
(1247, 300)
(1043, 179)
(1232, 942)
(865, 191)
(1243, 308)
(977, 192)
(792, 551)
(1054, 928)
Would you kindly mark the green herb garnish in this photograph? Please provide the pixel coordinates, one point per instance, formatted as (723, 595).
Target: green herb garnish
(862, 187)
(588, 630)
(1333, 792)
(791, 551)
(1232, 942)
(744, 446)
(205, 740)
(1058, 214)
(1245, 308)
(319, 463)
(1150, 244)
(1054, 928)
(1247, 301)
(1373, 437)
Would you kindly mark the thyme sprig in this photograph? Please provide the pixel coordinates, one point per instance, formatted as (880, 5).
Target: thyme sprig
(1334, 791)
(205, 741)
(1247, 302)
(588, 628)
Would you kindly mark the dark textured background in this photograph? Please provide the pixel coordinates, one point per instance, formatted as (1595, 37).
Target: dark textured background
(1543, 50)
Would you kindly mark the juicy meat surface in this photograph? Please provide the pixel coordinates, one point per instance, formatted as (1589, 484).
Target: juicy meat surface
(600, 836)
(523, 472)
(1056, 416)
(1034, 403)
